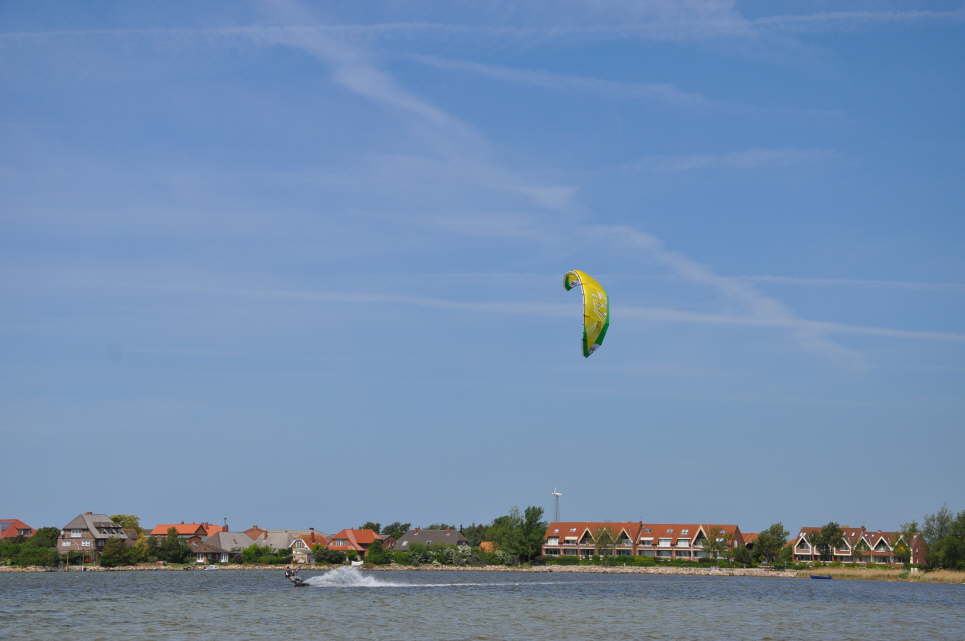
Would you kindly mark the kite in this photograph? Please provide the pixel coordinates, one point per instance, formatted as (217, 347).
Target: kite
(596, 309)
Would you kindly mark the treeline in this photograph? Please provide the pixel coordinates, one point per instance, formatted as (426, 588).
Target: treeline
(517, 538)
(945, 535)
(40, 549)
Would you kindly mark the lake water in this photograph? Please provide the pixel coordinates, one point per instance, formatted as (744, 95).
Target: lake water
(349, 604)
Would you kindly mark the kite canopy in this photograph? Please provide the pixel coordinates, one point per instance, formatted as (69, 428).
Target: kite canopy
(596, 308)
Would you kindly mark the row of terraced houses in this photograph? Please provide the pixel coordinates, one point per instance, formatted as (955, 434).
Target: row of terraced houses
(686, 541)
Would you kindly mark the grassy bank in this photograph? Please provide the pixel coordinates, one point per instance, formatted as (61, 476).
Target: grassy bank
(887, 574)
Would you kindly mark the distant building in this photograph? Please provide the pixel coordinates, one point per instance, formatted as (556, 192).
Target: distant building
(301, 546)
(663, 541)
(860, 545)
(87, 533)
(12, 528)
(220, 547)
(356, 540)
(189, 532)
(430, 537)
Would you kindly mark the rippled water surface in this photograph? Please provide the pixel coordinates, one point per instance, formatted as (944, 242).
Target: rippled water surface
(348, 604)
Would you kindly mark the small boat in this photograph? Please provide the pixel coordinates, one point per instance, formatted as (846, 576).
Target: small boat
(357, 564)
(826, 577)
(210, 567)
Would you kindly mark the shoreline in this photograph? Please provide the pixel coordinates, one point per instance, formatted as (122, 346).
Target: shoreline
(848, 574)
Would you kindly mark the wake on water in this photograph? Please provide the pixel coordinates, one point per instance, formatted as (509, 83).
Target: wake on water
(347, 577)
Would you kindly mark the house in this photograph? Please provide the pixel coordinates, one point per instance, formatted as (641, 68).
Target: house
(13, 528)
(189, 532)
(579, 538)
(663, 541)
(301, 546)
(356, 540)
(750, 538)
(275, 540)
(220, 547)
(87, 533)
(860, 545)
(430, 537)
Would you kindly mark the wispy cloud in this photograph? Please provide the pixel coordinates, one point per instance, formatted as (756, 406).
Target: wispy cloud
(774, 318)
(762, 308)
(854, 19)
(745, 159)
(657, 92)
(854, 282)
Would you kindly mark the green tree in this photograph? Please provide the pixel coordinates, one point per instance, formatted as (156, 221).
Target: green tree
(475, 534)
(937, 525)
(172, 549)
(145, 549)
(604, 540)
(861, 549)
(377, 554)
(830, 536)
(770, 542)
(741, 555)
(370, 525)
(947, 552)
(396, 530)
(116, 552)
(715, 543)
(534, 527)
(45, 537)
(440, 526)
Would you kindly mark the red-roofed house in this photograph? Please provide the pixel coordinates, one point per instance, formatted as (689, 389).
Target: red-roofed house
(12, 528)
(357, 540)
(664, 541)
(301, 546)
(190, 532)
(861, 545)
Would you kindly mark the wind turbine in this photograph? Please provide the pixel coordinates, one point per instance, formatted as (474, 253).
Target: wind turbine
(556, 497)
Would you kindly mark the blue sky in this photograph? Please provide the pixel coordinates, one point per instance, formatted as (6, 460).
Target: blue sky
(301, 264)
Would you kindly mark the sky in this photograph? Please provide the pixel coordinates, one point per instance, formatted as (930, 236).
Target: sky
(300, 264)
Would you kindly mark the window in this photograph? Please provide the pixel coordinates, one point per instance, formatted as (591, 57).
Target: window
(85, 543)
(669, 530)
(556, 530)
(553, 540)
(685, 531)
(665, 543)
(65, 544)
(647, 530)
(76, 534)
(572, 529)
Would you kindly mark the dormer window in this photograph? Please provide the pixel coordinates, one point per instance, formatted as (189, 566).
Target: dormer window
(669, 530)
(685, 531)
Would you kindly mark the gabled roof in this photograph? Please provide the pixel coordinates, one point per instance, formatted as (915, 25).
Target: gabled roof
(231, 542)
(99, 525)
(313, 538)
(749, 537)
(356, 539)
(182, 529)
(418, 535)
(717, 529)
(571, 529)
(10, 528)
